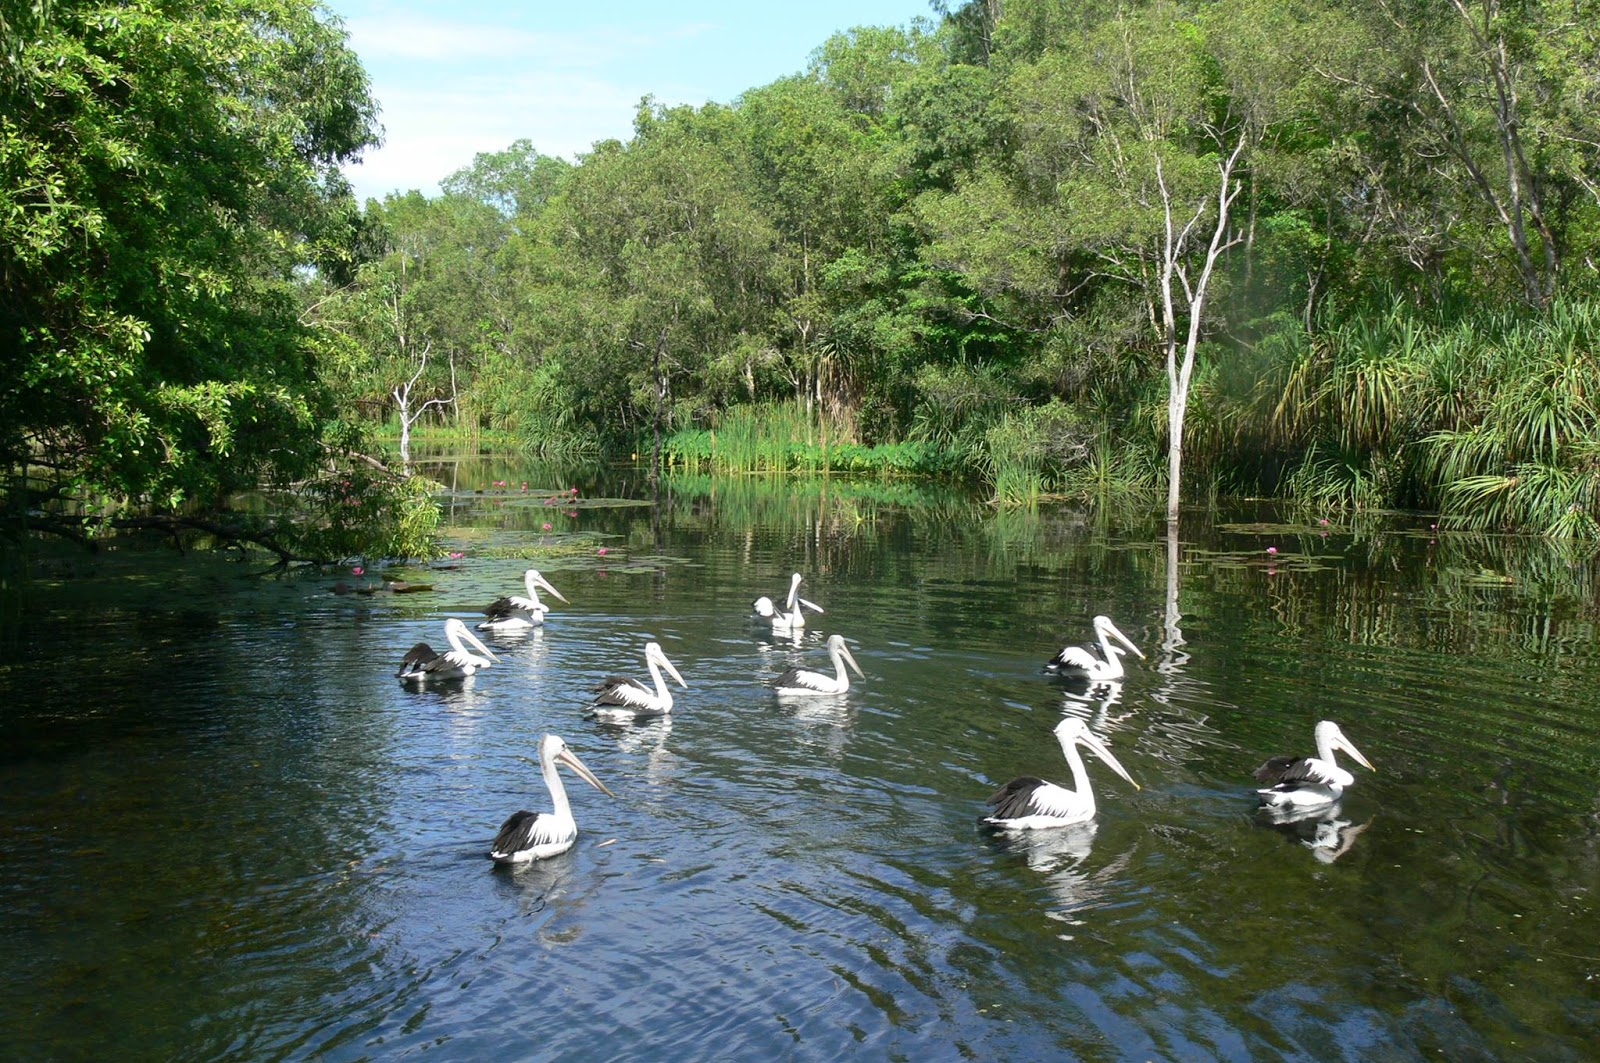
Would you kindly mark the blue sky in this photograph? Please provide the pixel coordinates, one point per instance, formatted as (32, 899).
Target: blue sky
(455, 79)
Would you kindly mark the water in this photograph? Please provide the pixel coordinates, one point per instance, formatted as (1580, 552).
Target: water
(227, 832)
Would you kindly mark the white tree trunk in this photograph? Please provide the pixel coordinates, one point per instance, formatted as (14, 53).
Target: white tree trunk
(1175, 282)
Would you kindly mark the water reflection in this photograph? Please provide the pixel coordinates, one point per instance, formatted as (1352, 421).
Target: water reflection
(1061, 855)
(1097, 705)
(336, 910)
(1323, 830)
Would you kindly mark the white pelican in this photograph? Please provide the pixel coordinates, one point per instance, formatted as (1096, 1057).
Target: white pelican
(517, 613)
(801, 682)
(1081, 660)
(1306, 782)
(620, 697)
(793, 614)
(536, 835)
(1029, 803)
(424, 664)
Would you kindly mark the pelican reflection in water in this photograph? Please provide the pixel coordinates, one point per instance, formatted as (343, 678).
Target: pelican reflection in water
(1323, 830)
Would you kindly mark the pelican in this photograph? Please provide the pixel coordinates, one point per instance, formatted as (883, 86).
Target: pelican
(1306, 782)
(517, 613)
(617, 696)
(1081, 661)
(424, 664)
(1029, 803)
(801, 682)
(537, 835)
(793, 615)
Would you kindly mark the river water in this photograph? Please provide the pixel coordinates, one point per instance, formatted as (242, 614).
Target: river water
(227, 832)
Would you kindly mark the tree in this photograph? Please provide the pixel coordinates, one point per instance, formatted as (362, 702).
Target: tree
(1491, 104)
(166, 168)
(664, 263)
(518, 181)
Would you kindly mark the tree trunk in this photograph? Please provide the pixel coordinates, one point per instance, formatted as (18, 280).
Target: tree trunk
(1174, 273)
(405, 431)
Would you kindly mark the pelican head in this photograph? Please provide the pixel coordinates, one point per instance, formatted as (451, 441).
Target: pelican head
(654, 654)
(1073, 729)
(553, 749)
(536, 583)
(1104, 628)
(456, 631)
(841, 652)
(1330, 738)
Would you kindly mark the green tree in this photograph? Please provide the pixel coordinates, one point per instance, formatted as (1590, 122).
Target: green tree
(1476, 123)
(167, 170)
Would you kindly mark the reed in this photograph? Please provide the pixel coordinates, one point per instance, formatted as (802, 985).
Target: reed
(782, 438)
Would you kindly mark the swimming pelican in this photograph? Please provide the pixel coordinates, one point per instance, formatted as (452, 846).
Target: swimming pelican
(793, 615)
(424, 664)
(800, 682)
(1305, 782)
(618, 696)
(1028, 803)
(536, 835)
(1081, 661)
(517, 613)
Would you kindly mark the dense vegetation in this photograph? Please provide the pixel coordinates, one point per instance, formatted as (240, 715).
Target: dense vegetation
(991, 243)
(169, 175)
(1342, 253)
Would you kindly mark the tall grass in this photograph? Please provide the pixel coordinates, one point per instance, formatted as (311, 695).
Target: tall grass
(1036, 453)
(782, 438)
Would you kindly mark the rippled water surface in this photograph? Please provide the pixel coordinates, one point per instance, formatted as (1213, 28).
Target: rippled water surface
(227, 832)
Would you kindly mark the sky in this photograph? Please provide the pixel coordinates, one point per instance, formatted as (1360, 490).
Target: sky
(455, 79)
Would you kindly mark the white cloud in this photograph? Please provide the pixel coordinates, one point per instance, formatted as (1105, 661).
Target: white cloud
(432, 132)
(414, 37)
(450, 89)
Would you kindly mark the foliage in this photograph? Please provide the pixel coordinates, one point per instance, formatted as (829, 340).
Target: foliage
(167, 172)
(1030, 451)
(779, 438)
(1345, 254)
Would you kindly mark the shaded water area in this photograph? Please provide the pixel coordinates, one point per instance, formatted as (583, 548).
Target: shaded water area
(226, 831)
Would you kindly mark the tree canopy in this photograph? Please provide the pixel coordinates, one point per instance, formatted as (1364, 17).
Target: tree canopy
(169, 170)
(1341, 253)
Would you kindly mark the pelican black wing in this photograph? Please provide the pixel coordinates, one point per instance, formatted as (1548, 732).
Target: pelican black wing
(609, 691)
(516, 833)
(1073, 660)
(1280, 770)
(1014, 800)
(500, 608)
(419, 656)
